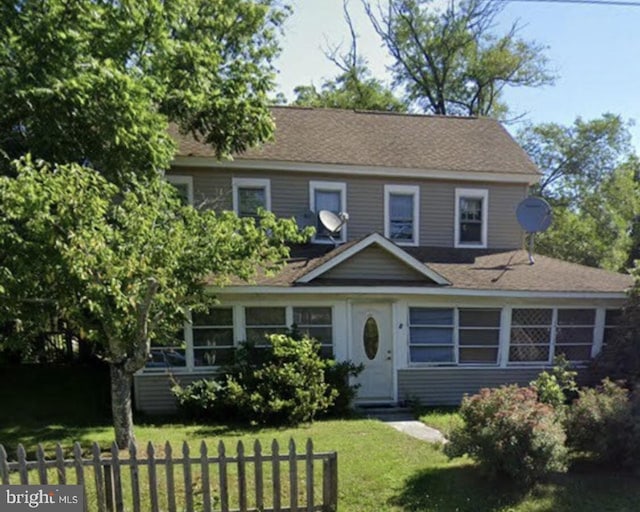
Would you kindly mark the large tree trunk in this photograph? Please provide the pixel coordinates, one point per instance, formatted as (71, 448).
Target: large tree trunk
(121, 409)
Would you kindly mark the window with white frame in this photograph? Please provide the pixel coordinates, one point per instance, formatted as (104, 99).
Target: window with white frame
(249, 195)
(316, 322)
(212, 334)
(262, 321)
(540, 334)
(471, 211)
(478, 335)
(401, 213)
(431, 335)
(184, 186)
(331, 196)
(170, 353)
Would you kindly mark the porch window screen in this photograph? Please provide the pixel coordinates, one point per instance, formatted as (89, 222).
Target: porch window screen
(612, 325)
(213, 337)
(431, 335)
(530, 335)
(478, 336)
(169, 354)
(574, 333)
(262, 321)
(316, 323)
(401, 217)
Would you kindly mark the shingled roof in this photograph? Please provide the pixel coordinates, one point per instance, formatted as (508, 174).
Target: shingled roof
(471, 269)
(383, 139)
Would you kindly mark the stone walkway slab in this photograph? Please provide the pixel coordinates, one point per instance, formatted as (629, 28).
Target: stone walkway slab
(418, 430)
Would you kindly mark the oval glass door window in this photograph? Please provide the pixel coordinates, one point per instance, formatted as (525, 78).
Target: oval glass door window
(371, 338)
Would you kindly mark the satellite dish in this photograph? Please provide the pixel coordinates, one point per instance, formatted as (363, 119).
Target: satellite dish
(332, 222)
(534, 214)
(306, 219)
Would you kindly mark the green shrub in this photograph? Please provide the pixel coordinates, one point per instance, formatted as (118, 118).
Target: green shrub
(558, 387)
(602, 423)
(202, 399)
(337, 375)
(281, 383)
(510, 433)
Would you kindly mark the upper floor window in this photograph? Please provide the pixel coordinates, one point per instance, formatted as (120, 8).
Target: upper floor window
(471, 217)
(184, 186)
(401, 213)
(332, 196)
(250, 194)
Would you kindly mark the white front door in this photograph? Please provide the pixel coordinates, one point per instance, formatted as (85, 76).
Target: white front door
(372, 345)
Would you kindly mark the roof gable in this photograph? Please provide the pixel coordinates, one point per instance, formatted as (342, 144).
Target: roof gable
(373, 257)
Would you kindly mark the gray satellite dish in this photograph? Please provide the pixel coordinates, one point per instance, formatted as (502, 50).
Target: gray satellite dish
(535, 216)
(332, 223)
(306, 219)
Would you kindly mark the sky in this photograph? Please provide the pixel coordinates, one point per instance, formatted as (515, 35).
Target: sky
(593, 49)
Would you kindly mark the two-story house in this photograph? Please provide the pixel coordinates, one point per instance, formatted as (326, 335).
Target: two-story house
(427, 284)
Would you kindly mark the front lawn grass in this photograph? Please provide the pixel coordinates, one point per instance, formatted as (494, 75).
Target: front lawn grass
(380, 469)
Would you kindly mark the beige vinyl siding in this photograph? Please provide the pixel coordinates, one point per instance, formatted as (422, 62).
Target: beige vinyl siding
(152, 391)
(373, 263)
(365, 201)
(447, 386)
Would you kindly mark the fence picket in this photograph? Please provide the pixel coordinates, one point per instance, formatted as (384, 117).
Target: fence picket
(62, 474)
(171, 493)
(117, 478)
(309, 475)
(4, 466)
(135, 476)
(77, 463)
(42, 465)
(22, 461)
(204, 477)
(257, 453)
(293, 476)
(153, 477)
(188, 487)
(222, 468)
(112, 494)
(97, 475)
(242, 478)
(275, 469)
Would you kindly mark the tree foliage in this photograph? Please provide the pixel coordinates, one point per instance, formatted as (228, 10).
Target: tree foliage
(590, 177)
(450, 61)
(354, 87)
(121, 266)
(98, 82)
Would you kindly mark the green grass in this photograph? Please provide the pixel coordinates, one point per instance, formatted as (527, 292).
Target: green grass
(379, 469)
(444, 419)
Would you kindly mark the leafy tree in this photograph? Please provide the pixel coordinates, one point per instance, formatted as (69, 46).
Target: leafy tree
(354, 87)
(590, 179)
(121, 266)
(98, 82)
(449, 61)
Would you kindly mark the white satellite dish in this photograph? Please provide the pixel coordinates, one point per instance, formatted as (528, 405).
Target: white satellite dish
(535, 216)
(332, 222)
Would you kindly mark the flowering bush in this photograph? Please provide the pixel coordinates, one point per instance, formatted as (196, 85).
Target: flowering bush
(602, 423)
(510, 433)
